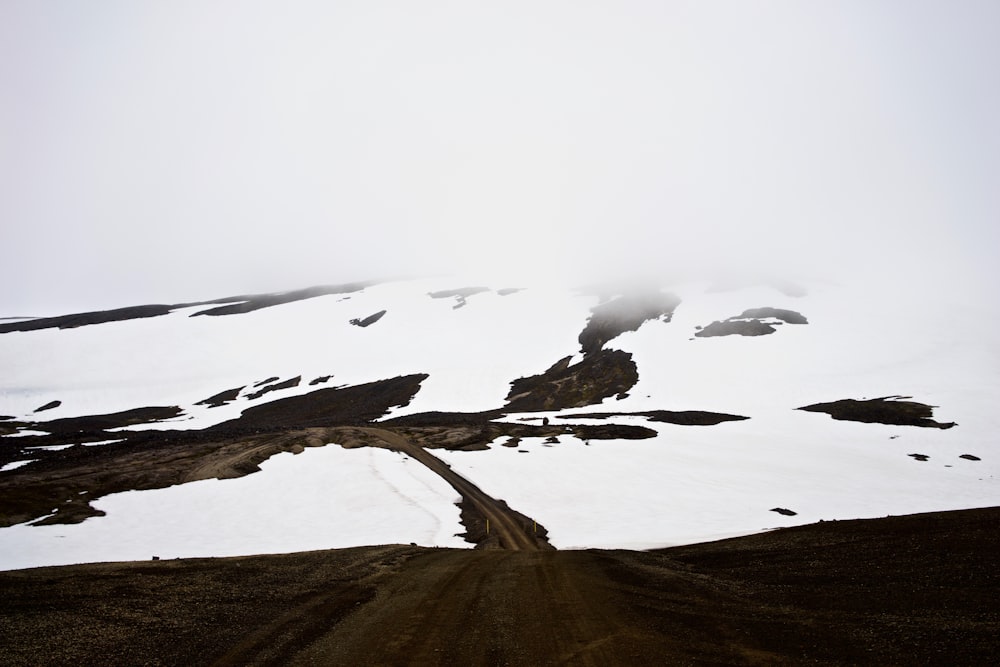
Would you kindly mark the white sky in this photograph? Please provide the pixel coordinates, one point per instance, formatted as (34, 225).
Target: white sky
(157, 151)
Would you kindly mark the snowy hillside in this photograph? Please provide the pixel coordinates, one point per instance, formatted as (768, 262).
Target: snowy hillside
(460, 348)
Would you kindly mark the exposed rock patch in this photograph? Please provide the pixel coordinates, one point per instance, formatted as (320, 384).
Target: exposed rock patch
(783, 511)
(287, 384)
(752, 322)
(64, 482)
(320, 380)
(970, 457)
(790, 316)
(89, 423)
(232, 305)
(247, 304)
(49, 406)
(625, 313)
(885, 410)
(332, 406)
(475, 430)
(367, 321)
(85, 319)
(735, 328)
(221, 398)
(600, 375)
(683, 418)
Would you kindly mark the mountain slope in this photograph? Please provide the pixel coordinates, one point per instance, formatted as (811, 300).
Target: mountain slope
(580, 447)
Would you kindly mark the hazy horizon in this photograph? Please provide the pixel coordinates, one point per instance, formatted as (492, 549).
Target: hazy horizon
(194, 150)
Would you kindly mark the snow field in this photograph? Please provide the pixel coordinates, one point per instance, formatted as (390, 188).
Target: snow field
(323, 498)
(689, 484)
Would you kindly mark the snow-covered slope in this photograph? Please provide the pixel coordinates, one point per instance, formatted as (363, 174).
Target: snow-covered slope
(689, 483)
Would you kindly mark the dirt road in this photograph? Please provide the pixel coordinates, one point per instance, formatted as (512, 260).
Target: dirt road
(904, 590)
(494, 608)
(513, 531)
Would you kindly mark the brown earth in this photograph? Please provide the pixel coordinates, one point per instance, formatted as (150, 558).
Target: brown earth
(600, 375)
(918, 589)
(750, 323)
(886, 410)
(680, 418)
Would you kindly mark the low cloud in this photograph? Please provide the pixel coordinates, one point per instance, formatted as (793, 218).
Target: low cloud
(191, 151)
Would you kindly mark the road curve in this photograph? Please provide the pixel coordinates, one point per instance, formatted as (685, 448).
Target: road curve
(503, 523)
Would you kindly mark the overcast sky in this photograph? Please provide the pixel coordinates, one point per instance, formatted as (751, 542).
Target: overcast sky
(167, 151)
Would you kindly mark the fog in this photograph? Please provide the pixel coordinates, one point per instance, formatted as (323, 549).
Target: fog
(162, 152)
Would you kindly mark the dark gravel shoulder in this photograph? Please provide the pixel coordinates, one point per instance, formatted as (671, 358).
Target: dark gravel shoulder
(917, 589)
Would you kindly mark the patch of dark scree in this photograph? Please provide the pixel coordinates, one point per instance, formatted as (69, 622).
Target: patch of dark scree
(682, 418)
(222, 398)
(252, 302)
(886, 410)
(469, 431)
(750, 323)
(233, 305)
(783, 511)
(97, 423)
(789, 316)
(48, 406)
(85, 319)
(320, 380)
(368, 321)
(600, 375)
(287, 384)
(333, 405)
(612, 318)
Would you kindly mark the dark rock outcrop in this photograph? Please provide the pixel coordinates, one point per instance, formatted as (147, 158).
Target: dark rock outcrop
(356, 404)
(682, 418)
(221, 398)
(287, 384)
(625, 313)
(885, 410)
(367, 321)
(600, 375)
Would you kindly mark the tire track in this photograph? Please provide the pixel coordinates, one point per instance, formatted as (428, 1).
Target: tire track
(512, 535)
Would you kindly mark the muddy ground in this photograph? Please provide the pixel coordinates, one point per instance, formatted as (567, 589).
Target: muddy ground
(920, 589)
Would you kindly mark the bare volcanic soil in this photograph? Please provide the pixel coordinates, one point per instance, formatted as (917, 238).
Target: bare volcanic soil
(918, 589)
(886, 410)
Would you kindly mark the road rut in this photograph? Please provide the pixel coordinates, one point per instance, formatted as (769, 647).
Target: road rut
(514, 533)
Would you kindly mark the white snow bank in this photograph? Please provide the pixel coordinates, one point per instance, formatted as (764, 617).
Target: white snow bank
(323, 498)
